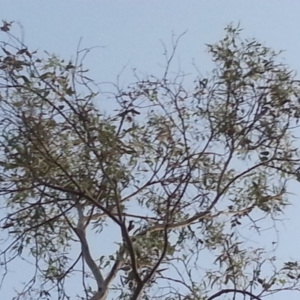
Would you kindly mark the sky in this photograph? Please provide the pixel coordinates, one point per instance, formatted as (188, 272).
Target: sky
(130, 33)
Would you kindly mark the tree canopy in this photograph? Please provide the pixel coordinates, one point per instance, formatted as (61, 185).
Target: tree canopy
(177, 177)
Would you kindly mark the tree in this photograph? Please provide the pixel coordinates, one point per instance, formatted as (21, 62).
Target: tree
(181, 175)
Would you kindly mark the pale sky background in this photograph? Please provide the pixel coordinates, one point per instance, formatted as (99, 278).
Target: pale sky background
(130, 33)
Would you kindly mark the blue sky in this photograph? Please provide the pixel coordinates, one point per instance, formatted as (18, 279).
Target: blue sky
(130, 33)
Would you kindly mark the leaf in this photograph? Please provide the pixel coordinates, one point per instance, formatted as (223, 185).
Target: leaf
(26, 80)
(45, 75)
(261, 281)
(7, 225)
(22, 51)
(263, 158)
(69, 91)
(226, 279)
(214, 281)
(282, 281)
(69, 66)
(6, 52)
(265, 153)
(4, 28)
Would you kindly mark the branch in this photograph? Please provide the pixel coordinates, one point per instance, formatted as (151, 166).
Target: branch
(226, 291)
(98, 216)
(81, 194)
(115, 268)
(124, 231)
(205, 215)
(102, 294)
(79, 230)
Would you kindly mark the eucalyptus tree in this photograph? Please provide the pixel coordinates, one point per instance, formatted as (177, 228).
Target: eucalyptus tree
(176, 177)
